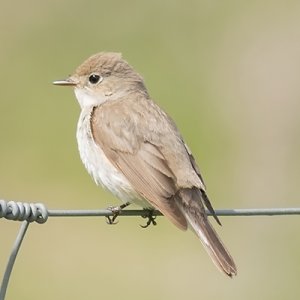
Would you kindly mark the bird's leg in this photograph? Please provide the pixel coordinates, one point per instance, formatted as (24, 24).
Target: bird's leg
(116, 211)
(149, 213)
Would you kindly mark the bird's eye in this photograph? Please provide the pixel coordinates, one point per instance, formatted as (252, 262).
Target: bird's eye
(95, 78)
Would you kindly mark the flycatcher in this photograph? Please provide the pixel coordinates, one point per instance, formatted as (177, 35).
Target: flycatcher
(130, 146)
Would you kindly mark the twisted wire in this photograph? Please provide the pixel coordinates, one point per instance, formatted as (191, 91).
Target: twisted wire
(37, 212)
(21, 211)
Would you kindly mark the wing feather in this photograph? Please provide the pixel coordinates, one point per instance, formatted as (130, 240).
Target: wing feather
(142, 163)
(151, 183)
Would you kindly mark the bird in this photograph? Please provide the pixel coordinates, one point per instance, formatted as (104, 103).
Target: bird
(133, 148)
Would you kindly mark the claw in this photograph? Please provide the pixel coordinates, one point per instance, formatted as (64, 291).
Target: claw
(115, 211)
(110, 220)
(151, 218)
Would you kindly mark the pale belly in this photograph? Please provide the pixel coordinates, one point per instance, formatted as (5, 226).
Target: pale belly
(100, 168)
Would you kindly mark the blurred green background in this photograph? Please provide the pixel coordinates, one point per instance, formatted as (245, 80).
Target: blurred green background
(228, 72)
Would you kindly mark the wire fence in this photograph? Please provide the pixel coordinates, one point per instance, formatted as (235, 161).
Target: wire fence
(37, 212)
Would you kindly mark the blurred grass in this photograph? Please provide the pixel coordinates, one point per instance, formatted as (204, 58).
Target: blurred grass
(227, 72)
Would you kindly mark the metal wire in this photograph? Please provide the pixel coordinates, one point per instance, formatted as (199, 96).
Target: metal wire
(30, 212)
(22, 211)
(37, 212)
(12, 258)
(18, 211)
(219, 212)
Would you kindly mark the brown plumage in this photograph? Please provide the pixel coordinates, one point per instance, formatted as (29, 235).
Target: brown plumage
(143, 144)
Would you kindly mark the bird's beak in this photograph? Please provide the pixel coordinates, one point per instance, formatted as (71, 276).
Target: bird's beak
(66, 82)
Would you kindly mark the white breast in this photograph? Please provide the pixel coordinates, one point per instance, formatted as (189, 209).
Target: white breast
(99, 167)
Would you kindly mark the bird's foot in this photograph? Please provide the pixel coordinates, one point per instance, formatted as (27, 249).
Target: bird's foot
(149, 213)
(111, 220)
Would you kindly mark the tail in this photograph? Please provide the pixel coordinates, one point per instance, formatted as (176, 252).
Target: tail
(190, 203)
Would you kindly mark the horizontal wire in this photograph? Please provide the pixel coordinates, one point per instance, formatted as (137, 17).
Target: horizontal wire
(37, 212)
(30, 212)
(219, 212)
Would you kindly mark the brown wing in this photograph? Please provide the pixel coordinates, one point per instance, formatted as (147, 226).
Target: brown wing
(204, 196)
(140, 161)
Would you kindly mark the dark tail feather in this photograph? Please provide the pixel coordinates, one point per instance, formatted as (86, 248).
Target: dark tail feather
(214, 246)
(194, 212)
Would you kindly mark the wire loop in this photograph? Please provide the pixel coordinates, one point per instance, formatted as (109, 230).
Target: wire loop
(37, 212)
(21, 211)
